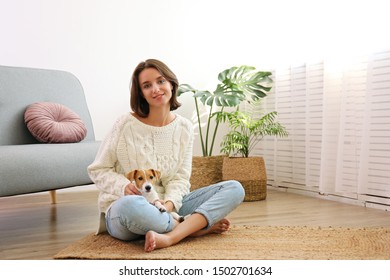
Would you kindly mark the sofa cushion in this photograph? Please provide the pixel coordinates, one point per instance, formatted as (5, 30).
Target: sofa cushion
(54, 123)
(41, 167)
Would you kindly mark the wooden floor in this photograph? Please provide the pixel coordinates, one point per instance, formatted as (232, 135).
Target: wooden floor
(32, 228)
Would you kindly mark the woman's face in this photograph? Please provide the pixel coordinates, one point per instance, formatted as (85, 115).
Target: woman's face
(155, 88)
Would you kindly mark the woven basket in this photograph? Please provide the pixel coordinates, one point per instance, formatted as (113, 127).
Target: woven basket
(206, 171)
(250, 172)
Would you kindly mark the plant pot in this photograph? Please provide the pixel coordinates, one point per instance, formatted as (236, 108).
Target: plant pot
(250, 172)
(206, 171)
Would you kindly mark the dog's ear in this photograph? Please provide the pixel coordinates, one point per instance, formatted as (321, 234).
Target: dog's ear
(131, 175)
(156, 174)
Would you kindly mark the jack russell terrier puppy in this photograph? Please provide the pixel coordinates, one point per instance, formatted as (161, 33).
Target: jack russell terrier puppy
(144, 181)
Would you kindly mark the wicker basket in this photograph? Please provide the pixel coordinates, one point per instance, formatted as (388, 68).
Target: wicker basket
(206, 171)
(250, 172)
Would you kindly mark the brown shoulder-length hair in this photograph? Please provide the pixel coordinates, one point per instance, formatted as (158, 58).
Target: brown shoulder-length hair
(137, 101)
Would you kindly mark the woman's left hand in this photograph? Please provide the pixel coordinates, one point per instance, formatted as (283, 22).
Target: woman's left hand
(131, 189)
(169, 205)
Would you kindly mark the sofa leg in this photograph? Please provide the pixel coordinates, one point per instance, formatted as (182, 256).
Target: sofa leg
(53, 197)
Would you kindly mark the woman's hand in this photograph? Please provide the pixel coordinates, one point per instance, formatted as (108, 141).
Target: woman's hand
(169, 205)
(131, 189)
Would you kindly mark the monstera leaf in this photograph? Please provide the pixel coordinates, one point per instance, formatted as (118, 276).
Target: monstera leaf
(245, 82)
(237, 84)
(219, 97)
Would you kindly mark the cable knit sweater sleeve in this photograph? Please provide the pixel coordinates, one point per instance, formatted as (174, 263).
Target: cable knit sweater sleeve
(105, 171)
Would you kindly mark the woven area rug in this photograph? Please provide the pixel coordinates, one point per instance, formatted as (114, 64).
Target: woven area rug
(247, 242)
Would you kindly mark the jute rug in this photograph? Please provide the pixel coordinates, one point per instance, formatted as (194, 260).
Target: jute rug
(247, 242)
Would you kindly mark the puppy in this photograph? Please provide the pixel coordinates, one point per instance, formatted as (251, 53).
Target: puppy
(144, 180)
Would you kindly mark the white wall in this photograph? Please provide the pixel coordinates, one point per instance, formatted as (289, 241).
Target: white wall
(102, 41)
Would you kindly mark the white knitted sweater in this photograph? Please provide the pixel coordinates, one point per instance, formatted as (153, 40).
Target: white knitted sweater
(131, 145)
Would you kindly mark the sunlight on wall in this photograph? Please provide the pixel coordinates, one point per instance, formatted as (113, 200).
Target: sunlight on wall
(330, 29)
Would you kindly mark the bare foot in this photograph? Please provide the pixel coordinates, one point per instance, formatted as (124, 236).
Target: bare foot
(154, 240)
(219, 227)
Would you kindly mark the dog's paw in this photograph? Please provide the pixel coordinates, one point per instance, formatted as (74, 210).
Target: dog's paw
(177, 217)
(161, 208)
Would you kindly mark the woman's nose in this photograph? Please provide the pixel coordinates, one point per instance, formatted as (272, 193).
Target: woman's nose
(156, 88)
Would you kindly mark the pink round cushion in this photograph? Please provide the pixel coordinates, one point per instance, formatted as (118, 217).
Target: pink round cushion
(54, 123)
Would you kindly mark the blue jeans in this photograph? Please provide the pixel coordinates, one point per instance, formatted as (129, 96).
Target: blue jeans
(132, 216)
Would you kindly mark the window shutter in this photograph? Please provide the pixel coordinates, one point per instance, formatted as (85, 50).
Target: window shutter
(374, 171)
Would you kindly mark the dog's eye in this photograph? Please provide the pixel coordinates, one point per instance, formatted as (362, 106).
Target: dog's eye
(140, 178)
(151, 177)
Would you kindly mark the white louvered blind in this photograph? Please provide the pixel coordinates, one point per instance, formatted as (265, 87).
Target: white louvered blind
(297, 97)
(343, 103)
(338, 117)
(314, 84)
(374, 172)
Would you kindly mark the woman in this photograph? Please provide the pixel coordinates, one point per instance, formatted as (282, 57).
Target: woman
(152, 136)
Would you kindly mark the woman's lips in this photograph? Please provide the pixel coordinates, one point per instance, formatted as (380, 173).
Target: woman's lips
(158, 95)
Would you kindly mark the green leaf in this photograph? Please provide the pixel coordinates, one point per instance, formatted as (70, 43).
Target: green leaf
(183, 88)
(245, 81)
(220, 97)
(246, 131)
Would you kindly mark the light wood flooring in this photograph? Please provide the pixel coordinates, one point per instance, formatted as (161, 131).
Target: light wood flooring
(32, 228)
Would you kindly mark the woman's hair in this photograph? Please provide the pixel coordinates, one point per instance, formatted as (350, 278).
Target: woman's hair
(137, 101)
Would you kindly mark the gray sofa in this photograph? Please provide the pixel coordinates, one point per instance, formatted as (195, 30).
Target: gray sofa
(26, 165)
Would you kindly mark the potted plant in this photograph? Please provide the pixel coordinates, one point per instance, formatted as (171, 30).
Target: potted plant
(245, 132)
(236, 84)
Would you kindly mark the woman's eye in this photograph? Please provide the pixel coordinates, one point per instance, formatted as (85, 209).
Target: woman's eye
(162, 81)
(146, 86)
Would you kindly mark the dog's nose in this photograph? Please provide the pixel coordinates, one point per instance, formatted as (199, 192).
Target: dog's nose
(148, 188)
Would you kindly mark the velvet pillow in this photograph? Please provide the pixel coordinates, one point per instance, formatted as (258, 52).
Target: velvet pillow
(54, 123)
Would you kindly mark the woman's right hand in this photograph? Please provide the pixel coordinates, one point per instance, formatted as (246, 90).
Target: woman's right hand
(130, 189)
